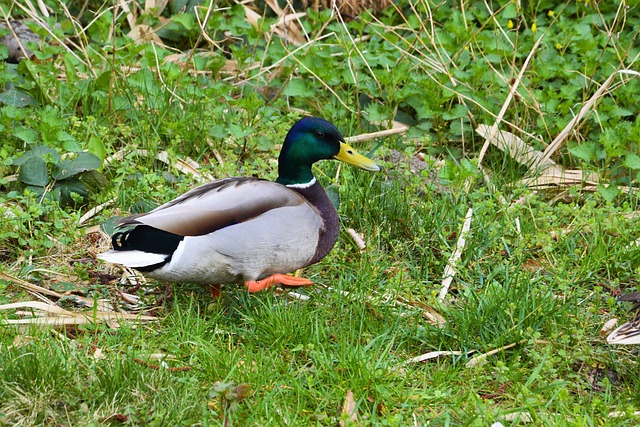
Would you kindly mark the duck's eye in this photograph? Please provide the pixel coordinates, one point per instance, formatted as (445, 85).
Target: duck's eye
(319, 134)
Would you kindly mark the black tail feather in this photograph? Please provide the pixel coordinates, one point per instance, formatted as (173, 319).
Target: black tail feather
(147, 239)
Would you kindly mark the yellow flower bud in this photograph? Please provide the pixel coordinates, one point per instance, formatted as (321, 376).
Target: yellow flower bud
(534, 27)
(510, 24)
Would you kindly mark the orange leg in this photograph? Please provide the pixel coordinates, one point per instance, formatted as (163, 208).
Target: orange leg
(274, 279)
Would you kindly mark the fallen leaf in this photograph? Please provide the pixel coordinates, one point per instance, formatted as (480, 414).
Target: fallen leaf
(608, 327)
(349, 413)
(522, 417)
(98, 354)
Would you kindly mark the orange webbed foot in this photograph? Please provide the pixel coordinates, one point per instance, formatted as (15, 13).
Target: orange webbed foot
(275, 279)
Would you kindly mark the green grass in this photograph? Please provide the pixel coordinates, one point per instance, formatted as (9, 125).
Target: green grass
(300, 357)
(536, 280)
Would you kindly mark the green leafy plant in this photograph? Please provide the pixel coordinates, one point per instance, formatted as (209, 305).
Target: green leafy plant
(64, 179)
(230, 396)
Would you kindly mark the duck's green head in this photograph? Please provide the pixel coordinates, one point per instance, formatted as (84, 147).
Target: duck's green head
(312, 139)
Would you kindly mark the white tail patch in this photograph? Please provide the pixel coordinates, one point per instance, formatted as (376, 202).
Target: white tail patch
(629, 333)
(132, 259)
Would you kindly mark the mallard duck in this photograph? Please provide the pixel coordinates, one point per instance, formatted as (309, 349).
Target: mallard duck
(628, 333)
(244, 230)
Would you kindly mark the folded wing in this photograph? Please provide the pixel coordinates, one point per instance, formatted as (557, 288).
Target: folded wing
(216, 205)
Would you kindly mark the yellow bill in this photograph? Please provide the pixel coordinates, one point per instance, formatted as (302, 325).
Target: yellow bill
(349, 155)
